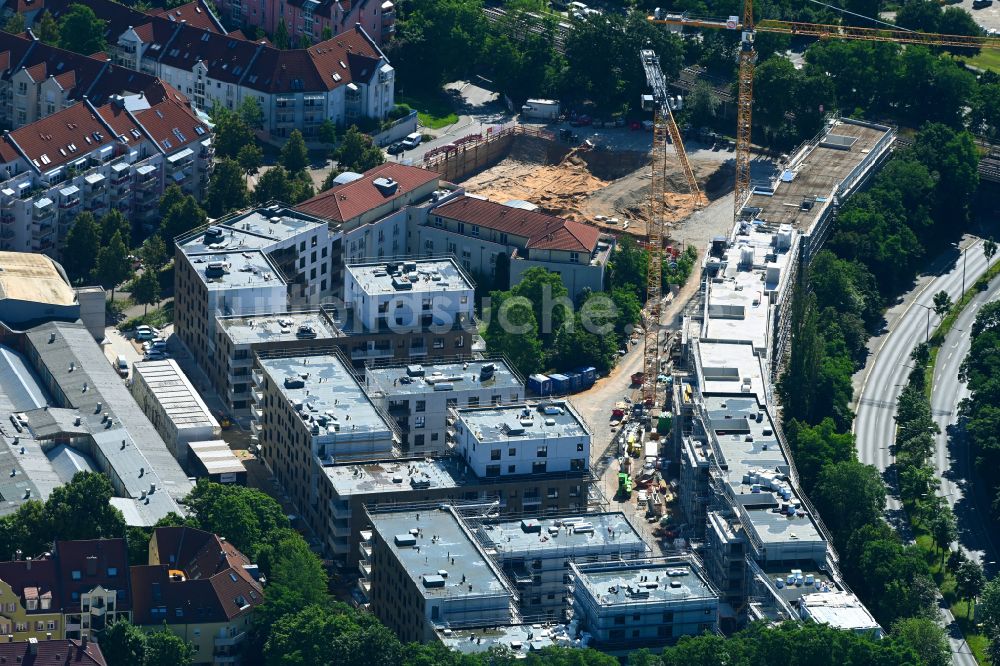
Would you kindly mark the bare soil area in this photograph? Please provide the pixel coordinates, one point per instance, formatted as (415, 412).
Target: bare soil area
(585, 185)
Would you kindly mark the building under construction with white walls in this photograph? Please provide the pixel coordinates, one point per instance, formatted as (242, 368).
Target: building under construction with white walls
(765, 546)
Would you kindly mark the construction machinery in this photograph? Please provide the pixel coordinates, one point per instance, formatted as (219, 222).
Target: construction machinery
(665, 132)
(748, 58)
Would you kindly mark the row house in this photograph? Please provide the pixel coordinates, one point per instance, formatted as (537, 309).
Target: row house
(343, 79)
(37, 80)
(122, 154)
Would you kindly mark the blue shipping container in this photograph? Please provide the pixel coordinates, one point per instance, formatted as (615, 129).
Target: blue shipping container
(575, 381)
(589, 375)
(540, 385)
(560, 384)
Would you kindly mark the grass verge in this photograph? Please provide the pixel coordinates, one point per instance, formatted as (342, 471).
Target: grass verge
(157, 318)
(948, 322)
(946, 584)
(434, 111)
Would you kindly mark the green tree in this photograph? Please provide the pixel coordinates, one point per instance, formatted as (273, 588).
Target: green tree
(849, 495)
(83, 242)
(145, 289)
(116, 222)
(988, 608)
(112, 266)
(513, 331)
(548, 297)
(281, 38)
(425, 32)
(246, 517)
(15, 24)
(227, 191)
(250, 113)
(944, 529)
(25, 530)
(970, 581)
(989, 249)
(629, 312)
(81, 509)
(327, 131)
(81, 31)
(183, 216)
(294, 155)
(300, 638)
(277, 185)
(702, 104)
(942, 303)
(357, 152)
(815, 447)
(153, 253)
(47, 29)
(585, 338)
(629, 266)
(172, 196)
(123, 644)
(232, 131)
(164, 648)
(926, 637)
(250, 158)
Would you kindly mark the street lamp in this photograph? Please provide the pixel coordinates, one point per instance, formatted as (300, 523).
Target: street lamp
(927, 334)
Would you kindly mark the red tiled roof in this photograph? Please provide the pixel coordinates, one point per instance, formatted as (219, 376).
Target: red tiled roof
(37, 72)
(83, 565)
(60, 652)
(35, 578)
(62, 137)
(216, 586)
(197, 14)
(543, 231)
(351, 55)
(172, 124)
(346, 202)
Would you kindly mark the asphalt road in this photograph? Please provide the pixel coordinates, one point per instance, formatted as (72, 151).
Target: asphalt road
(888, 368)
(952, 461)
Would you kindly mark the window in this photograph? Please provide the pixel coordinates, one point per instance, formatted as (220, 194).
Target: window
(574, 257)
(576, 464)
(495, 400)
(512, 452)
(452, 402)
(438, 343)
(475, 230)
(579, 447)
(474, 401)
(419, 421)
(635, 618)
(668, 617)
(512, 469)
(418, 440)
(459, 341)
(663, 631)
(635, 633)
(421, 405)
(543, 451)
(553, 493)
(434, 437)
(495, 454)
(493, 470)
(538, 468)
(620, 619)
(76, 574)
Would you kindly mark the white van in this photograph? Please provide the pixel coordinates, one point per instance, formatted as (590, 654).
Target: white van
(412, 140)
(121, 365)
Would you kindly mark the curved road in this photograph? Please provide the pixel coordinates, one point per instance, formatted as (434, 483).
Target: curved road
(874, 425)
(952, 461)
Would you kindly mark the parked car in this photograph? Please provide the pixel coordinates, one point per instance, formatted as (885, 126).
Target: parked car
(121, 366)
(981, 4)
(154, 355)
(411, 140)
(145, 332)
(395, 148)
(158, 344)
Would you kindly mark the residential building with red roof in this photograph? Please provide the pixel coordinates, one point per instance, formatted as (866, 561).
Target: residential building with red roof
(30, 605)
(478, 231)
(201, 587)
(342, 79)
(93, 585)
(372, 211)
(311, 19)
(36, 652)
(121, 154)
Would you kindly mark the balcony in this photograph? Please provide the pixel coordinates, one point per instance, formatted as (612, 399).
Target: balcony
(6, 217)
(366, 551)
(418, 351)
(383, 352)
(69, 203)
(256, 427)
(257, 377)
(6, 232)
(256, 412)
(366, 569)
(229, 641)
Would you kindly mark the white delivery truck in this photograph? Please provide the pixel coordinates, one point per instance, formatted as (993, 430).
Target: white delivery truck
(541, 109)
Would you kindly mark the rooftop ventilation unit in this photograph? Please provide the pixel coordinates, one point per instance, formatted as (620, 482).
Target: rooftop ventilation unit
(215, 269)
(387, 186)
(400, 284)
(405, 540)
(415, 370)
(213, 235)
(295, 382)
(487, 371)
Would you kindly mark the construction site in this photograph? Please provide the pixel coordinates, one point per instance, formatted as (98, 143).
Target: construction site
(599, 185)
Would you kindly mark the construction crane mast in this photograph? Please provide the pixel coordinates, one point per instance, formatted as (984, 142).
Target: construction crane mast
(748, 57)
(664, 132)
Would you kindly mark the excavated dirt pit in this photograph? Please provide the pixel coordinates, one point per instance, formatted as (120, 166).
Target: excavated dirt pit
(585, 184)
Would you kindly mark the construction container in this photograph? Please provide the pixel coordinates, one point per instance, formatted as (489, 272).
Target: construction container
(589, 374)
(575, 381)
(540, 385)
(560, 384)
